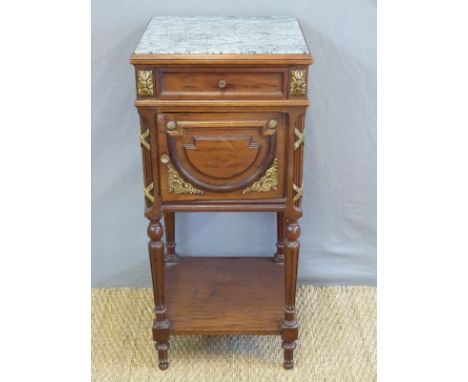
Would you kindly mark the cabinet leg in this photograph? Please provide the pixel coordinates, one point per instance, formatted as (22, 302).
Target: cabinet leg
(288, 347)
(160, 322)
(280, 234)
(162, 351)
(162, 348)
(169, 222)
(161, 342)
(289, 326)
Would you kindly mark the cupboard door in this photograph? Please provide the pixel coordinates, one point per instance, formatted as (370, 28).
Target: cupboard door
(221, 155)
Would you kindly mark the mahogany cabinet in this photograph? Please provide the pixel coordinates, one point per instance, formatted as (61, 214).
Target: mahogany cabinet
(222, 104)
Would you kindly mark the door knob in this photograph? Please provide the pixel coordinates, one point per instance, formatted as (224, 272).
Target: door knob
(164, 159)
(272, 124)
(171, 125)
(221, 84)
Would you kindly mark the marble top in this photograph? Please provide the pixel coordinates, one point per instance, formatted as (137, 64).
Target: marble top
(222, 35)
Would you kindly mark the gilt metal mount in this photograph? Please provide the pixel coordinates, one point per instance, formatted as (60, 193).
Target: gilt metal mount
(145, 83)
(298, 191)
(300, 138)
(177, 185)
(268, 182)
(148, 190)
(298, 84)
(143, 140)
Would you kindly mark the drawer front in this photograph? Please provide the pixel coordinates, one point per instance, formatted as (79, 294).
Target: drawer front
(216, 156)
(222, 83)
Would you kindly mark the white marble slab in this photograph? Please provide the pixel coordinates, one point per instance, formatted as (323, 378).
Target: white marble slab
(222, 35)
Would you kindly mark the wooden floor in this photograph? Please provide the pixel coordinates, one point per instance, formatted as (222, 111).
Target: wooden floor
(227, 295)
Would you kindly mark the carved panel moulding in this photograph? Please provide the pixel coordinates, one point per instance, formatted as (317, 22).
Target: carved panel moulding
(298, 84)
(145, 82)
(267, 182)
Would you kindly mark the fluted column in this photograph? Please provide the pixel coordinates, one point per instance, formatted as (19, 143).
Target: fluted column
(289, 325)
(160, 323)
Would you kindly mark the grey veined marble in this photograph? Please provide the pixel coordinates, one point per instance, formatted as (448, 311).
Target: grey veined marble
(222, 35)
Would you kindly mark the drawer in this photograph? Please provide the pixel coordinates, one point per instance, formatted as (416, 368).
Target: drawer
(222, 83)
(216, 156)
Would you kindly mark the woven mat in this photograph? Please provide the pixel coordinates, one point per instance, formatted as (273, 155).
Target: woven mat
(337, 342)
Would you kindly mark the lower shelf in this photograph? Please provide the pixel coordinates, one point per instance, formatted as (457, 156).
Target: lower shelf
(225, 295)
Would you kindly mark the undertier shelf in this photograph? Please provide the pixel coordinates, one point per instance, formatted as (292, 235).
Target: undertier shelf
(225, 295)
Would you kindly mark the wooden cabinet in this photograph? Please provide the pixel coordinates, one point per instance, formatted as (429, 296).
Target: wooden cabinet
(222, 132)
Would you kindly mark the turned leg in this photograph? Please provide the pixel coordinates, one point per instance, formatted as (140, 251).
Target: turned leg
(160, 323)
(288, 347)
(162, 347)
(169, 222)
(280, 234)
(289, 326)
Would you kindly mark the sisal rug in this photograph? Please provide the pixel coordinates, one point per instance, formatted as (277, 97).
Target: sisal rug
(337, 342)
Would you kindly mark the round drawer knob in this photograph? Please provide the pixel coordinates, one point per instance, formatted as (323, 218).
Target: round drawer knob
(171, 125)
(221, 84)
(272, 124)
(164, 159)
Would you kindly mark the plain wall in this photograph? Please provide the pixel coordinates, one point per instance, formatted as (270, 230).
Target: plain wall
(338, 241)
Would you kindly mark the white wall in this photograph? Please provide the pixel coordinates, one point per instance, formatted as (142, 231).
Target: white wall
(339, 224)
